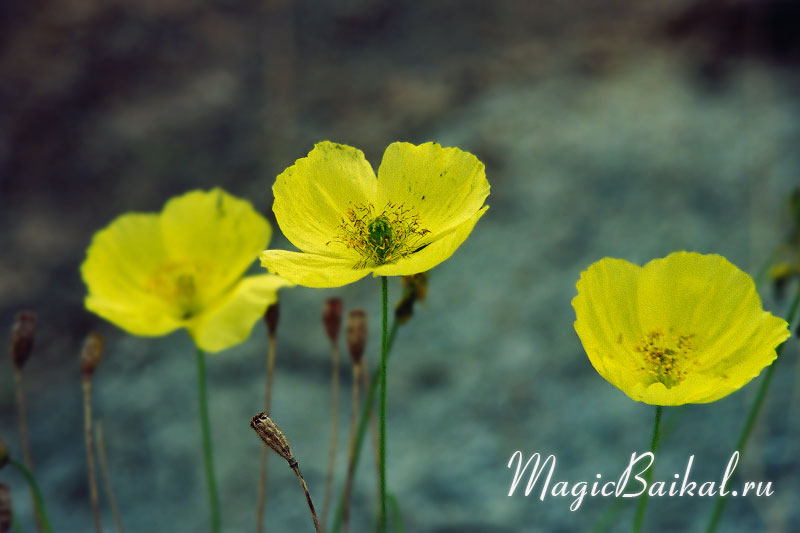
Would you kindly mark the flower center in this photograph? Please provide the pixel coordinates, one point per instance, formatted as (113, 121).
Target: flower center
(667, 357)
(380, 237)
(177, 284)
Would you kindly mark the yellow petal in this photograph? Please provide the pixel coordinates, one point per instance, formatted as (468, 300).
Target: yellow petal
(219, 234)
(606, 317)
(746, 357)
(694, 390)
(231, 322)
(313, 195)
(117, 271)
(703, 294)
(311, 270)
(444, 186)
(133, 316)
(702, 332)
(432, 254)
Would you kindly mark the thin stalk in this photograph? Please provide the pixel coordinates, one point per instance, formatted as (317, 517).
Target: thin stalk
(262, 478)
(23, 422)
(23, 434)
(640, 508)
(382, 403)
(86, 381)
(41, 511)
(373, 420)
(296, 470)
(363, 420)
(752, 415)
(334, 431)
(208, 455)
(15, 523)
(348, 487)
(112, 501)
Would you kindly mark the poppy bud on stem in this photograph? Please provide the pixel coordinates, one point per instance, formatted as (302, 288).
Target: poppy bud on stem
(271, 319)
(91, 354)
(273, 437)
(332, 320)
(357, 334)
(332, 317)
(22, 334)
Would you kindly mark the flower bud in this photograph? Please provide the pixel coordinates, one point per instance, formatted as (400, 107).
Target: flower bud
(356, 334)
(5, 508)
(22, 333)
(271, 318)
(3, 454)
(415, 289)
(272, 436)
(332, 317)
(91, 353)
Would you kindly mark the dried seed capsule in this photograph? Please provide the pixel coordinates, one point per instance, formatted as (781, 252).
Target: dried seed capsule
(22, 333)
(332, 317)
(356, 334)
(272, 436)
(91, 353)
(271, 318)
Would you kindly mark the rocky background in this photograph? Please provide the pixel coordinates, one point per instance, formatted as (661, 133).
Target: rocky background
(608, 128)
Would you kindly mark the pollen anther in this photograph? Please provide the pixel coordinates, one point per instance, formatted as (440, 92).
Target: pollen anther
(666, 356)
(380, 237)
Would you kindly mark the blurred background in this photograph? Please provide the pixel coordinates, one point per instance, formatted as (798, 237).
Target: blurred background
(608, 128)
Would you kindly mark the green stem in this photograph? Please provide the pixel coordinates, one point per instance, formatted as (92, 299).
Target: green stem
(382, 405)
(752, 415)
(361, 430)
(208, 455)
(37, 494)
(640, 508)
(15, 523)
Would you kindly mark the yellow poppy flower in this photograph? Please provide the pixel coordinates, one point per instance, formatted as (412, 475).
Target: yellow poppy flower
(422, 206)
(152, 273)
(688, 328)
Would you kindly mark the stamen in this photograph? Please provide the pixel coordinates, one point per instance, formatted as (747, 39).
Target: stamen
(667, 357)
(380, 238)
(179, 285)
